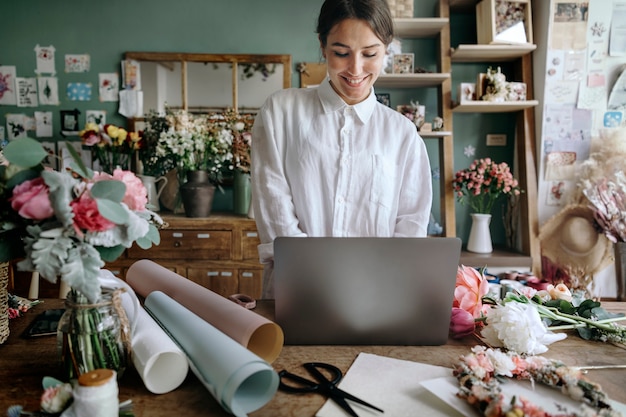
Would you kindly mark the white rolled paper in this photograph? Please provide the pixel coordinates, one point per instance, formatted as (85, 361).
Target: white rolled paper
(161, 364)
(238, 379)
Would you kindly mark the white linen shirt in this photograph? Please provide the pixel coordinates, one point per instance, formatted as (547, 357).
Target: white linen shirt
(321, 167)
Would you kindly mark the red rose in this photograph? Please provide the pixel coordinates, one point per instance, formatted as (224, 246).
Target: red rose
(86, 215)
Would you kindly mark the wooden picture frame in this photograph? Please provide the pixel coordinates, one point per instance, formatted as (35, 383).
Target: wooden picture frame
(466, 93)
(504, 22)
(69, 120)
(403, 63)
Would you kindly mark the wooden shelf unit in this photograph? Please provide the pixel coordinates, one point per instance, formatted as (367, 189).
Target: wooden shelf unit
(493, 53)
(420, 80)
(491, 107)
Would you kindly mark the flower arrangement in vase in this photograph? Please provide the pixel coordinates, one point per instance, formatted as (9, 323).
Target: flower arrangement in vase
(71, 222)
(112, 146)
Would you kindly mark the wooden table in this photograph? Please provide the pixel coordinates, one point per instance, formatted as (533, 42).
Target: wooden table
(23, 363)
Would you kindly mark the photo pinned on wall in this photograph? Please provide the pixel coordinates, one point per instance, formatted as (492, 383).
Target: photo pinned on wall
(613, 119)
(403, 63)
(557, 190)
(45, 60)
(384, 98)
(8, 95)
(48, 88)
(98, 117)
(52, 159)
(467, 92)
(16, 126)
(43, 124)
(109, 86)
(77, 63)
(131, 74)
(69, 122)
(65, 157)
(26, 92)
(79, 91)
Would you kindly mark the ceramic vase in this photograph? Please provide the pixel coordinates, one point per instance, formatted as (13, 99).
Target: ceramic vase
(241, 193)
(153, 190)
(89, 335)
(197, 194)
(480, 235)
(619, 249)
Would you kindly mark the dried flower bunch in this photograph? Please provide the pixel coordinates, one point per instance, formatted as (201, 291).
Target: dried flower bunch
(483, 183)
(240, 125)
(602, 183)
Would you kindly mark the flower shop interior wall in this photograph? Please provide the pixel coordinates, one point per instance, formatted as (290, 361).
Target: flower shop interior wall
(574, 77)
(96, 36)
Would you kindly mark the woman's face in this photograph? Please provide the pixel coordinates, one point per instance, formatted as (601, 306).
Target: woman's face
(354, 57)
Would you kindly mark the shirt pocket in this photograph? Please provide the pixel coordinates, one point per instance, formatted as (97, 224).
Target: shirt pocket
(384, 177)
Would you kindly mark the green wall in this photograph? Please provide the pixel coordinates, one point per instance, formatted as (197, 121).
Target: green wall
(105, 30)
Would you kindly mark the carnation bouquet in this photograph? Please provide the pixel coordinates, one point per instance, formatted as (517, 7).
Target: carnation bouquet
(526, 322)
(483, 183)
(72, 221)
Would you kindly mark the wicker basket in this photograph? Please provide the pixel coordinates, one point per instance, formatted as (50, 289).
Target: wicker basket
(4, 301)
(401, 8)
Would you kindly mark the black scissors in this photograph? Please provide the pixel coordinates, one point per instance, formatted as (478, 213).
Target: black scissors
(324, 385)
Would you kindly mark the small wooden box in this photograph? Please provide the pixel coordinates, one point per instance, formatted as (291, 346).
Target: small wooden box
(401, 8)
(504, 22)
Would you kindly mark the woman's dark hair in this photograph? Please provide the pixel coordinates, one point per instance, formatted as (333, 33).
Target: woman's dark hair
(375, 12)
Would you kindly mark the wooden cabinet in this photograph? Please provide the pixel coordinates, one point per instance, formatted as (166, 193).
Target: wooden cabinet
(218, 252)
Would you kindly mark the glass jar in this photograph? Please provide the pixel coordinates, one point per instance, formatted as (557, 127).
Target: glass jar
(93, 335)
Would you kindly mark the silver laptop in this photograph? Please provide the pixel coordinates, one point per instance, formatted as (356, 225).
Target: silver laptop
(365, 291)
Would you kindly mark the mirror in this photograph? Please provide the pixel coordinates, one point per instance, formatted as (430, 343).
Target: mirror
(201, 83)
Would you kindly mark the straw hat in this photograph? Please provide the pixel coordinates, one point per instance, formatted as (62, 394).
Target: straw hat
(570, 240)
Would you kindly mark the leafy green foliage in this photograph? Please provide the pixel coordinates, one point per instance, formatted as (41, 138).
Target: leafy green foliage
(25, 152)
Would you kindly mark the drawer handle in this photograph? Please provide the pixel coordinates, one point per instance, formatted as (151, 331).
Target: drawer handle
(212, 274)
(227, 274)
(178, 244)
(204, 235)
(247, 274)
(177, 234)
(252, 234)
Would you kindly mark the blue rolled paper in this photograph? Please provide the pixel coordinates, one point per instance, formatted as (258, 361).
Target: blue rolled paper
(239, 380)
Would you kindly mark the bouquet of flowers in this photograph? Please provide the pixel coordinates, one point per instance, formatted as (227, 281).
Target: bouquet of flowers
(72, 221)
(194, 142)
(483, 183)
(240, 125)
(112, 146)
(525, 322)
(608, 199)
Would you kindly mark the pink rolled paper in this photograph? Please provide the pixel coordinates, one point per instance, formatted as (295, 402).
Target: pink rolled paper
(260, 335)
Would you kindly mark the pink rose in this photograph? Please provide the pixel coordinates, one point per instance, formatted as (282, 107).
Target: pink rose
(136, 196)
(471, 286)
(461, 323)
(31, 200)
(86, 215)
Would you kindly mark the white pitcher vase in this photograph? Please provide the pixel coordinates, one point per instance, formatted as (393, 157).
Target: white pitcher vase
(153, 191)
(480, 235)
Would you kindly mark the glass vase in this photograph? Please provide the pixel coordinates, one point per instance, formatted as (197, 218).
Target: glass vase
(93, 335)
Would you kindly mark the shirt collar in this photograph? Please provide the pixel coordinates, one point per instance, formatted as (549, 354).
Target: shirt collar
(331, 101)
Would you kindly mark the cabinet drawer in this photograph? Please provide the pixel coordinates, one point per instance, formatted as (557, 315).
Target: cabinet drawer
(251, 282)
(220, 280)
(189, 244)
(250, 242)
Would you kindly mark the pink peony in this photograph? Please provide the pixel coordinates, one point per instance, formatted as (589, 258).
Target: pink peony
(461, 323)
(471, 286)
(136, 196)
(31, 200)
(86, 215)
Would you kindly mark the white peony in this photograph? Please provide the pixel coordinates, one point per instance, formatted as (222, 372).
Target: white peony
(518, 327)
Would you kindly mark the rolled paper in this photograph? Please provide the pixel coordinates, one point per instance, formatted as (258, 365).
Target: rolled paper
(238, 379)
(160, 363)
(262, 336)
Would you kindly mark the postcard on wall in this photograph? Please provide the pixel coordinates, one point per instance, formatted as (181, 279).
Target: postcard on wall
(617, 42)
(131, 74)
(557, 190)
(598, 34)
(45, 60)
(569, 29)
(48, 88)
(612, 119)
(77, 63)
(593, 92)
(26, 92)
(562, 92)
(575, 65)
(43, 124)
(108, 86)
(79, 91)
(8, 96)
(98, 117)
(51, 160)
(16, 126)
